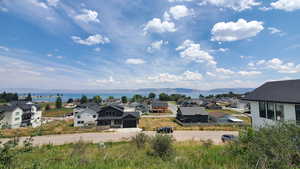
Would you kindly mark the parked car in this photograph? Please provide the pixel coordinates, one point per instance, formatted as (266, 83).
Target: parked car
(228, 138)
(165, 130)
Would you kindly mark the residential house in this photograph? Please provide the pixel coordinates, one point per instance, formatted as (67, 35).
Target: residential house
(213, 106)
(220, 117)
(275, 102)
(192, 115)
(115, 117)
(20, 114)
(159, 106)
(86, 114)
(140, 107)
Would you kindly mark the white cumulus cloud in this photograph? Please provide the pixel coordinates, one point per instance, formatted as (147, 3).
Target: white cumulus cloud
(179, 11)
(277, 65)
(237, 5)
(88, 16)
(156, 25)
(135, 61)
(166, 77)
(232, 31)
(155, 46)
(91, 40)
(192, 51)
(286, 5)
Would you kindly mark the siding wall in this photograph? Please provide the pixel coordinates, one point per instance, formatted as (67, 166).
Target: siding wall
(257, 122)
(86, 115)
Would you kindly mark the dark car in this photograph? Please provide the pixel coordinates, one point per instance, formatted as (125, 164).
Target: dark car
(165, 130)
(228, 138)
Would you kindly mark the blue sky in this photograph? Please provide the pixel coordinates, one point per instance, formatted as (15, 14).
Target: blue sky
(118, 44)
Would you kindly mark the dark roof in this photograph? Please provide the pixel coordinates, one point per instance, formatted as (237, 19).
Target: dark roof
(159, 104)
(24, 105)
(6, 108)
(188, 111)
(94, 106)
(287, 91)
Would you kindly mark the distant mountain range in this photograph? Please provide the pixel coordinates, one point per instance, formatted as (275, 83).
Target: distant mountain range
(138, 91)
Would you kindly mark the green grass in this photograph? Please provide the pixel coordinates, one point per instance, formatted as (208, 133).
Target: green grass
(188, 155)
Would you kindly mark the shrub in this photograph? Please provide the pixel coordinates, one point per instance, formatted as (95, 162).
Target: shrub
(270, 147)
(140, 140)
(162, 146)
(8, 153)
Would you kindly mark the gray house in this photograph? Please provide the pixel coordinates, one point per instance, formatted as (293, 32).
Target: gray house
(274, 102)
(113, 116)
(192, 115)
(20, 114)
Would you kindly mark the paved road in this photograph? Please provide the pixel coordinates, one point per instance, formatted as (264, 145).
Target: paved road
(123, 136)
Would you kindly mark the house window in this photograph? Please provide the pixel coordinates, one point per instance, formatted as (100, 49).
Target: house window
(118, 121)
(297, 109)
(262, 109)
(80, 122)
(94, 116)
(17, 113)
(17, 119)
(279, 112)
(78, 117)
(271, 111)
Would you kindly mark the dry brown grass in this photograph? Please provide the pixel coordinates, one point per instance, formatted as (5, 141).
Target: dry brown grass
(54, 127)
(151, 124)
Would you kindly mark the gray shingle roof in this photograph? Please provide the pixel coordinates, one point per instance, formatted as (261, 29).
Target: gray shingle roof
(188, 111)
(287, 91)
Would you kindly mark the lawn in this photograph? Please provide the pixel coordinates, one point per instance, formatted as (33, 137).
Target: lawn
(188, 155)
(151, 124)
(54, 127)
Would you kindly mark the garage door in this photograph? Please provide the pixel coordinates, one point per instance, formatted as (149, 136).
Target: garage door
(129, 124)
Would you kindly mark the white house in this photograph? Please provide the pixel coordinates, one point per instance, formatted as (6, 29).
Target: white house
(20, 114)
(274, 102)
(86, 114)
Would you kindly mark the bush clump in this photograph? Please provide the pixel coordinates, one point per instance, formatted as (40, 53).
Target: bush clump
(162, 146)
(270, 147)
(140, 140)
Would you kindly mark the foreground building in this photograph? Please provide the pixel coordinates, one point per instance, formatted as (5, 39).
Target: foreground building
(274, 102)
(20, 114)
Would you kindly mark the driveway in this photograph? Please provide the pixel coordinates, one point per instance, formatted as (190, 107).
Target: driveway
(123, 136)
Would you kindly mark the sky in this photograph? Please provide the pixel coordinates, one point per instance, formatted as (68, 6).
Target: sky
(129, 44)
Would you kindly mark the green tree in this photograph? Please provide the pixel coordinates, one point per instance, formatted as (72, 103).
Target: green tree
(111, 97)
(163, 97)
(47, 107)
(70, 100)
(97, 99)
(28, 98)
(124, 99)
(83, 99)
(58, 103)
(137, 98)
(151, 95)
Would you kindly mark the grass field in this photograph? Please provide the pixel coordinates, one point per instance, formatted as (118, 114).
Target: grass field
(150, 124)
(188, 155)
(54, 127)
(57, 112)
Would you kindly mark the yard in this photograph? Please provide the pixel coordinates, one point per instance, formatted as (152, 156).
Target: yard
(151, 124)
(57, 112)
(54, 127)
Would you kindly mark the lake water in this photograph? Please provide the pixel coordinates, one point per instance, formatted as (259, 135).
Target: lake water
(51, 97)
